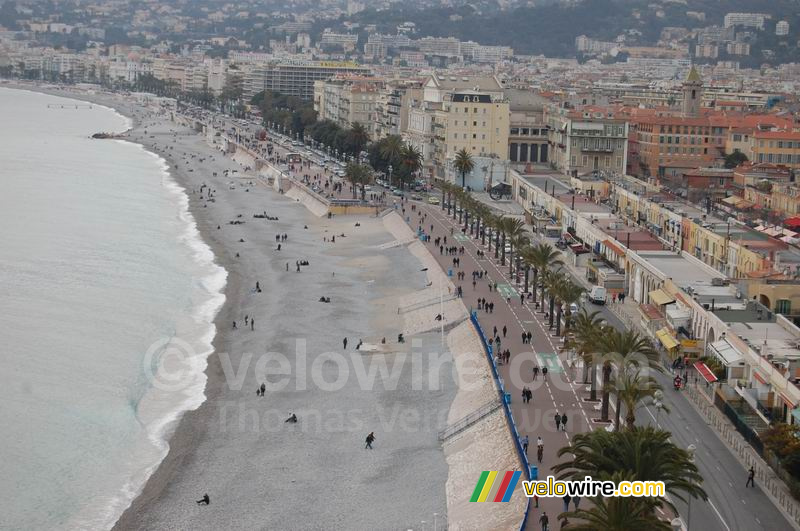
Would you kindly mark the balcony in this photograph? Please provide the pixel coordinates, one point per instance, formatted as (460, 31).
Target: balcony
(597, 150)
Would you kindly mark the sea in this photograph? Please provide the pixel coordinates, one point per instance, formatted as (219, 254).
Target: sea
(107, 301)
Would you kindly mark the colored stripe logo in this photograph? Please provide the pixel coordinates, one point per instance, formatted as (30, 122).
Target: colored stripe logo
(495, 486)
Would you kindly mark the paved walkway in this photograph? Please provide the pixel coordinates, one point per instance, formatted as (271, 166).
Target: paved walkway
(558, 393)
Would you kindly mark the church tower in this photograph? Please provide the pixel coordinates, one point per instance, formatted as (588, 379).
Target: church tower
(692, 93)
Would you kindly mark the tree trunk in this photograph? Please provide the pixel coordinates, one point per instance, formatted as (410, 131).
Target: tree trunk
(496, 244)
(618, 412)
(593, 390)
(535, 284)
(630, 419)
(558, 321)
(527, 277)
(604, 408)
(443, 201)
(585, 370)
(511, 261)
(503, 251)
(552, 307)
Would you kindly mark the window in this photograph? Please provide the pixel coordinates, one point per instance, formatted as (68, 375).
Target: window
(514, 130)
(475, 110)
(474, 135)
(525, 131)
(783, 306)
(474, 123)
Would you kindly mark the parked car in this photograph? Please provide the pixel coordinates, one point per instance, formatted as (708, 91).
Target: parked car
(597, 295)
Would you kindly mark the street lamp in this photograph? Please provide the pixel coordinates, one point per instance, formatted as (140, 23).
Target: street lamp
(390, 173)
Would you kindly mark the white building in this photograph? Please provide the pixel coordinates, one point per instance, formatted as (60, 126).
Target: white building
(748, 20)
(782, 28)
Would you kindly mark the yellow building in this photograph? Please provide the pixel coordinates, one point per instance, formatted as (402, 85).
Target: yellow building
(778, 147)
(477, 123)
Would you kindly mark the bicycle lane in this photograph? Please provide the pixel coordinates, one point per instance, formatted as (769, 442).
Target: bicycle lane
(556, 394)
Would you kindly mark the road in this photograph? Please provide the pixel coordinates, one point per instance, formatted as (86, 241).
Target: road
(731, 507)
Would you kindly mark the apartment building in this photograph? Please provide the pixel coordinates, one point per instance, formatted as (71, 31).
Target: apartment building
(777, 147)
(587, 139)
(459, 112)
(348, 100)
(527, 137)
(295, 79)
(472, 121)
(393, 105)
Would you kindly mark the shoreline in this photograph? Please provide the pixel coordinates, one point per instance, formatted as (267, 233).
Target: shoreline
(192, 424)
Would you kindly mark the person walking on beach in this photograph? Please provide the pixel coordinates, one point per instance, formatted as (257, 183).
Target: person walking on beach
(262, 388)
(370, 439)
(205, 500)
(234, 325)
(344, 344)
(751, 475)
(252, 324)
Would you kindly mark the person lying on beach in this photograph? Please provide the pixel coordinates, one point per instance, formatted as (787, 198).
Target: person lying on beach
(324, 299)
(292, 418)
(205, 500)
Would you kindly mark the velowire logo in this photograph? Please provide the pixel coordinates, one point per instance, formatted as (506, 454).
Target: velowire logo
(495, 486)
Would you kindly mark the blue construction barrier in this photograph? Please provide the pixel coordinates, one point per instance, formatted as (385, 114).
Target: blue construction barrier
(505, 399)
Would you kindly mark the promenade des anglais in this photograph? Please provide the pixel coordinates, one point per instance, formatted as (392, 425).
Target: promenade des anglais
(505, 265)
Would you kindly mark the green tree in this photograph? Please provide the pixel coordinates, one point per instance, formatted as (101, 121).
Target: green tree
(411, 160)
(616, 513)
(633, 388)
(359, 175)
(734, 159)
(463, 164)
(626, 346)
(640, 454)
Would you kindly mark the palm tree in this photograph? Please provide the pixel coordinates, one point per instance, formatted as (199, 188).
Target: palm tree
(359, 136)
(515, 232)
(411, 159)
(632, 388)
(490, 222)
(543, 257)
(392, 147)
(358, 175)
(463, 164)
(616, 513)
(553, 281)
(482, 213)
(641, 454)
(568, 293)
(627, 345)
(588, 330)
(447, 189)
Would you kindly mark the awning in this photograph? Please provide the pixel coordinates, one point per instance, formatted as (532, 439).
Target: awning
(731, 200)
(727, 354)
(705, 372)
(666, 339)
(661, 297)
(792, 222)
(786, 400)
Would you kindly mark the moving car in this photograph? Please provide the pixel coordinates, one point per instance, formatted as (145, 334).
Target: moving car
(433, 200)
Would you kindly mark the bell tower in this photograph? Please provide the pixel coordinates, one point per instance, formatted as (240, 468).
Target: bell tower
(692, 93)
